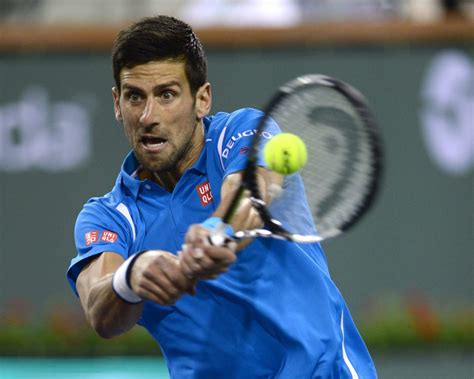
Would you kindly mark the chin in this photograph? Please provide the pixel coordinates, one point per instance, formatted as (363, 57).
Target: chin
(155, 163)
(157, 167)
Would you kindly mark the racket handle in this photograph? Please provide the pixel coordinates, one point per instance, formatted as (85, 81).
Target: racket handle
(220, 232)
(219, 239)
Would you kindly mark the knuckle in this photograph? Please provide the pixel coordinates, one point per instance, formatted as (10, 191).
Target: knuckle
(140, 283)
(172, 276)
(186, 270)
(158, 261)
(196, 266)
(178, 284)
(207, 264)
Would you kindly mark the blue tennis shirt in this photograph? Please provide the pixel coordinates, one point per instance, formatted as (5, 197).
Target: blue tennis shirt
(275, 314)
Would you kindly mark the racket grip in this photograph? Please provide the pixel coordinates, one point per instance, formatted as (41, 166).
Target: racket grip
(220, 232)
(218, 240)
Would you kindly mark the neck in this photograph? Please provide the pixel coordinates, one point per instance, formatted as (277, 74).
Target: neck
(193, 151)
(166, 179)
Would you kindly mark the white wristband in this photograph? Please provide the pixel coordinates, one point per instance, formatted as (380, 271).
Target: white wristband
(121, 281)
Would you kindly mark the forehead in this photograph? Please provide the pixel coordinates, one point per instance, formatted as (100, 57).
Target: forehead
(154, 73)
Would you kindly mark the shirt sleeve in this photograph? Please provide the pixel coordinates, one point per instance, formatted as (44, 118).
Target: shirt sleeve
(98, 228)
(238, 136)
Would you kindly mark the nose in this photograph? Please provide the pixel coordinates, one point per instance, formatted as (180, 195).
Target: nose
(149, 114)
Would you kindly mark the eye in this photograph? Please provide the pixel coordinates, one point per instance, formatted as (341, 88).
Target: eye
(167, 95)
(134, 97)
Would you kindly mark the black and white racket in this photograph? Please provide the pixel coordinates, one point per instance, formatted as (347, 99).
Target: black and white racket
(343, 170)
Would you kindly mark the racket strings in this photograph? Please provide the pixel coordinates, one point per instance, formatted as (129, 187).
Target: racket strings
(338, 173)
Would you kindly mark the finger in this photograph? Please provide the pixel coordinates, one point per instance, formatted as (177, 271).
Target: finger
(196, 235)
(255, 220)
(232, 246)
(168, 276)
(189, 260)
(211, 276)
(222, 255)
(206, 262)
(152, 292)
(161, 283)
(185, 266)
(212, 268)
(247, 217)
(168, 272)
(177, 279)
(203, 268)
(200, 266)
(183, 263)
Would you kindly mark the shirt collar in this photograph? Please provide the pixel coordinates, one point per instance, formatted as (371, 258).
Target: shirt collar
(200, 164)
(128, 174)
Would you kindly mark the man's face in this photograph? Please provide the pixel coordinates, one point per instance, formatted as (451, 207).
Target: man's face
(161, 118)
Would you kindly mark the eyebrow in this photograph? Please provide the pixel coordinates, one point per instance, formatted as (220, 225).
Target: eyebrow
(159, 87)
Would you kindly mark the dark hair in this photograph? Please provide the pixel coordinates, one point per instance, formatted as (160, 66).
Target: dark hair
(156, 39)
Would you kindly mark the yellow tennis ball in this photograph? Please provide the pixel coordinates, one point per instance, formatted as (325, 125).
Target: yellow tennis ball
(285, 153)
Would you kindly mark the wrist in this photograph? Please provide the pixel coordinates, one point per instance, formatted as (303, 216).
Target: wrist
(121, 283)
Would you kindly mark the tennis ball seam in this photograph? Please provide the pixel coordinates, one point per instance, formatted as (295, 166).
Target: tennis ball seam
(285, 153)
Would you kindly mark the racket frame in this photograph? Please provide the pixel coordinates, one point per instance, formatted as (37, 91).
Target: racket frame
(273, 228)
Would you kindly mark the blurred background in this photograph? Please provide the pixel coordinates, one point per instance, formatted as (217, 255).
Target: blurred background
(407, 271)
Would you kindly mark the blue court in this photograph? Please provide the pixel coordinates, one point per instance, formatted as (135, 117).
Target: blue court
(390, 365)
(86, 368)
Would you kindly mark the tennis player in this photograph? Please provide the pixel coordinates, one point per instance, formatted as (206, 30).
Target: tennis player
(267, 309)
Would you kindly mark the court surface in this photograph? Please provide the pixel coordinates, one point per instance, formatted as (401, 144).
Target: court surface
(406, 365)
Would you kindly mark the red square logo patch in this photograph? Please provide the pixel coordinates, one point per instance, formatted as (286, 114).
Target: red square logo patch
(91, 237)
(205, 193)
(108, 236)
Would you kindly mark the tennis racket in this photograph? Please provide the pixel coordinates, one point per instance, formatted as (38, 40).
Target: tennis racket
(341, 178)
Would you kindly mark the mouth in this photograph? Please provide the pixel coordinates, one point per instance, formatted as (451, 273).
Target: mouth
(153, 144)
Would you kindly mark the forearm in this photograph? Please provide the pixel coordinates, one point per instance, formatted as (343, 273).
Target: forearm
(105, 311)
(108, 314)
(155, 275)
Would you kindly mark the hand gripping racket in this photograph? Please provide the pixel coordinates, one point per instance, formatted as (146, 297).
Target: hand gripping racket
(343, 170)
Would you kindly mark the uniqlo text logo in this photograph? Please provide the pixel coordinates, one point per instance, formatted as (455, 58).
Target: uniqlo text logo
(108, 236)
(205, 193)
(92, 237)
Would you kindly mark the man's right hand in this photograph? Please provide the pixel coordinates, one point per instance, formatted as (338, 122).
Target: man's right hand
(157, 276)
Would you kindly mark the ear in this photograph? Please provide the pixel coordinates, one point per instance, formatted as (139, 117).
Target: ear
(116, 97)
(203, 100)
